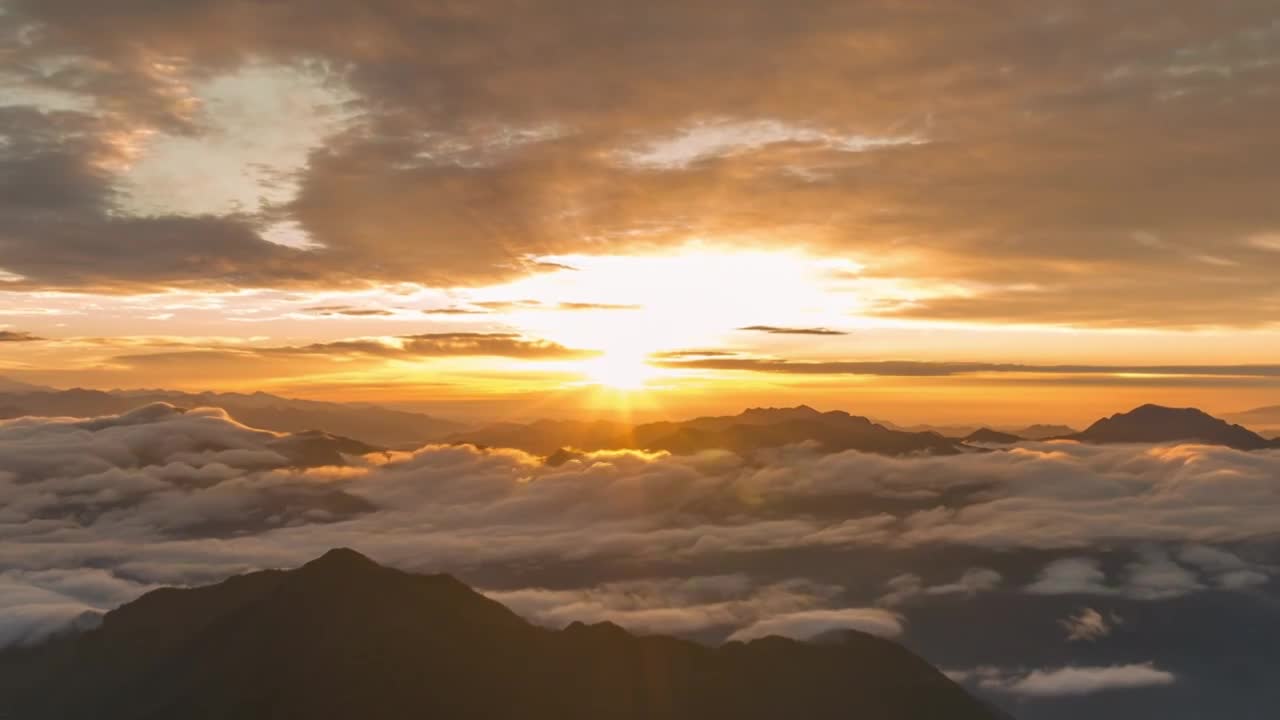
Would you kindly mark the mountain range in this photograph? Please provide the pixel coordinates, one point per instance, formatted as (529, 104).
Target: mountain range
(752, 430)
(370, 423)
(343, 637)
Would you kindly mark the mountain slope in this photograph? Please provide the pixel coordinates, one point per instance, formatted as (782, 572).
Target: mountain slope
(343, 637)
(1158, 424)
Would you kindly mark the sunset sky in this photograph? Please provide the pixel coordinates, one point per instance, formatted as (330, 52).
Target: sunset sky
(920, 211)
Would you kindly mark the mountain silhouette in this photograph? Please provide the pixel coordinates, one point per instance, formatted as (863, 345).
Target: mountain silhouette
(993, 437)
(343, 637)
(751, 430)
(1158, 424)
(1042, 432)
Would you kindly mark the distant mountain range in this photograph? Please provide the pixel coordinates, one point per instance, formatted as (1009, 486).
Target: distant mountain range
(343, 637)
(369, 423)
(752, 430)
(1265, 418)
(1031, 432)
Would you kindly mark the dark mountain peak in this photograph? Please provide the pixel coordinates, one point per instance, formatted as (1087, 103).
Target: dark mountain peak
(995, 437)
(1151, 410)
(342, 560)
(1152, 423)
(345, 637)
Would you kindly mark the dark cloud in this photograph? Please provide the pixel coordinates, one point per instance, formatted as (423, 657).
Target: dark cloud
(458, 344)
(17, 336)
(347, 311)
(775, 330)
(911, 368)
(933, 141)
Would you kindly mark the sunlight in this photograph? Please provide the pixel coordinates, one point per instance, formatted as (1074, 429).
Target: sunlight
(620, 371)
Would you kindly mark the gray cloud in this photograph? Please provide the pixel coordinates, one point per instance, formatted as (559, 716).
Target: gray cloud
(17, 336)
(906, 587)
(1089, 625)
(1067, 681)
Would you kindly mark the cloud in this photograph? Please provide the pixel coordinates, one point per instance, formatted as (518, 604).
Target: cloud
(17, 336)
(915, 368)
(1089, 625)
(1071, 576)
(903, 588)
(347, 311)
(452, 344)
(775, 330)
(1070, 681)
(455, 169)
(809, 624)
(680, 606)
(1152, 576)
(161, 496)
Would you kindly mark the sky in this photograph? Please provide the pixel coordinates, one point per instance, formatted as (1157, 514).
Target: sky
(1005, 212)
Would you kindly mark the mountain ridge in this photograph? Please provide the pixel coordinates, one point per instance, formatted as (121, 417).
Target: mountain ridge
(1152, 423)
(342, 636)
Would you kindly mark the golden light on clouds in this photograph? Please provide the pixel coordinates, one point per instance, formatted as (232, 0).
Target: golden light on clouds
(263, 196)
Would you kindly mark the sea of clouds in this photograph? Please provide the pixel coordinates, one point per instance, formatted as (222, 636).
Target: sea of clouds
(95, 512)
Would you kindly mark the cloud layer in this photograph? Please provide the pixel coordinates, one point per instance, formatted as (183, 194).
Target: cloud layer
(161, 496)
(621, 128)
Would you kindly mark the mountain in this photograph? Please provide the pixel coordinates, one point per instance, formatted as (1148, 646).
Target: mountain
(1158, 424)
(991, 437)
(1266, 418)
(753, 429)
(369, 423)
(1043, 432)
(343, 637)
(9, 385)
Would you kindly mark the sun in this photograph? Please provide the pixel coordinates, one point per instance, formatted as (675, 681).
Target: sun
(619, 371)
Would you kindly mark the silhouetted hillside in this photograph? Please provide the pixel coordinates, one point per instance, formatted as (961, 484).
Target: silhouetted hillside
(342, 637)
(1158, 424)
